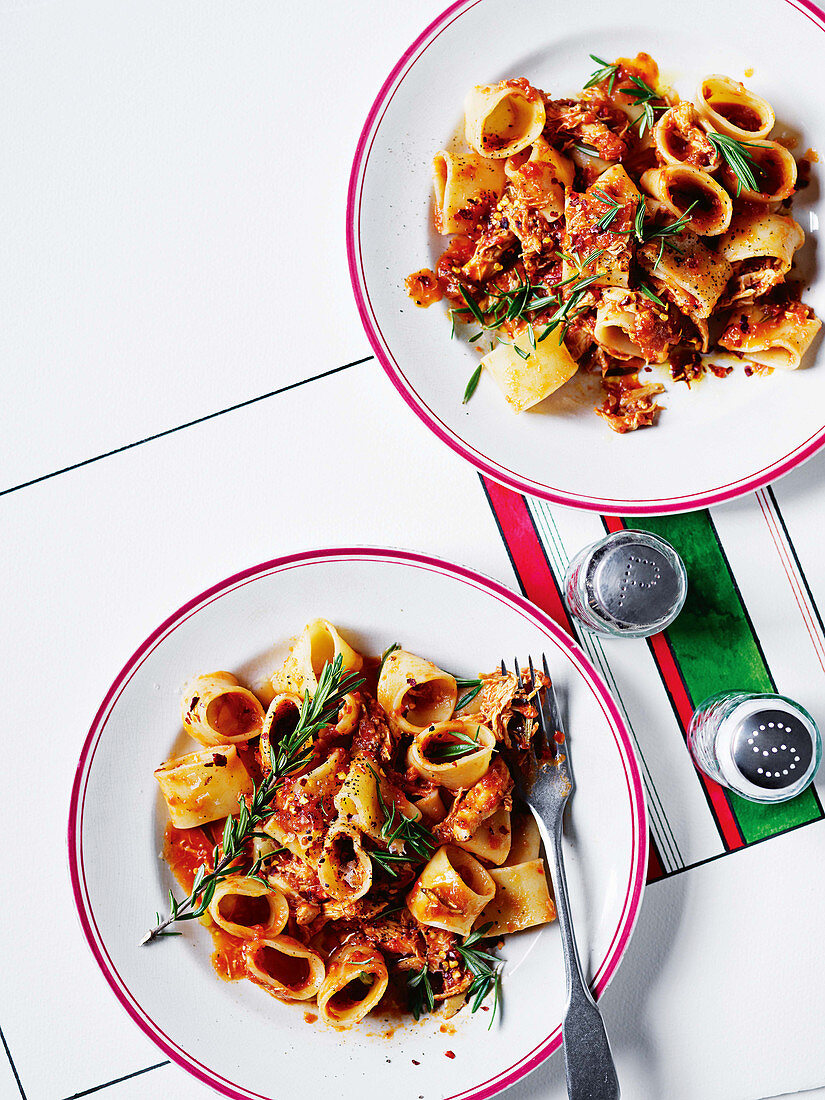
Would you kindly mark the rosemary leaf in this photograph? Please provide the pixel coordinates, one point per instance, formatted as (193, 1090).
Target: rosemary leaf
(605, 71)
(739, 159)
(472, 385)
(472, 306)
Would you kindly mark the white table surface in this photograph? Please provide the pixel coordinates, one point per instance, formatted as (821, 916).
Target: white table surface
(160, 268)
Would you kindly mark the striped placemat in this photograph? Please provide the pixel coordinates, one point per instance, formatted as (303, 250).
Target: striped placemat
(714, 645)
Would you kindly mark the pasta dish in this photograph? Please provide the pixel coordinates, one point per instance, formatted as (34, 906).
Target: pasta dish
(618, 230)
(348, 834)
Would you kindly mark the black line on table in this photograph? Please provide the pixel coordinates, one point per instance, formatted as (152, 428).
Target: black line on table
(11, 1063)
(792, 549)
(188, 424)
(117, 1080)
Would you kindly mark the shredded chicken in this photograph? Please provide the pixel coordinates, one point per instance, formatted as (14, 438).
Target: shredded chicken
(596, 123)
(449, 974)
(496, 239)
(507, 706)
(751, 279)
(399, 935)
(374, 736)
(625, 410)
(475, 804)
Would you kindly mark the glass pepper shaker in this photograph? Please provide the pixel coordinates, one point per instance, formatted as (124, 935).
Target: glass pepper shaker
(765, 747)
(628, 585)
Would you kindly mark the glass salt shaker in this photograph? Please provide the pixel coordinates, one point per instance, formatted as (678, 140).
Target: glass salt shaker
(628, 585)
(765, 747)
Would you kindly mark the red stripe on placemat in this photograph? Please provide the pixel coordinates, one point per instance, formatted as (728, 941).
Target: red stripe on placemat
(655, 870)
(683, 705)
(526, 552)
(672, 677)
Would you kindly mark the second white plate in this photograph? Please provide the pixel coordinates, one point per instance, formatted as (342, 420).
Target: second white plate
(715, 441)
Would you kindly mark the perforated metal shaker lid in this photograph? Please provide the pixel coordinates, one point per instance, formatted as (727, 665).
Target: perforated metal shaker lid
(635, 583)
(773, 747)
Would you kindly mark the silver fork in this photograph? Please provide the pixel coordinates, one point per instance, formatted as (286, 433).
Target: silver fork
(546, 787)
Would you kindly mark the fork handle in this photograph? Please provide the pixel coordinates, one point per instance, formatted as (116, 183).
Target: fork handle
(591, 1074)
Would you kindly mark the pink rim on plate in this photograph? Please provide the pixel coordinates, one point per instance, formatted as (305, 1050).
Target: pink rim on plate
(512, 478)
(638, 864)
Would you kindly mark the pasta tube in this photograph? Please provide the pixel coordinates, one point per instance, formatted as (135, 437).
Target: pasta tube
(679, 139)
(465, 186)
(248, 909)
(492, 839)
(431, 807)
(729, 108)
(681, 188)
(280, 721)
(203, 786)
(541, 178)
(615, 327)
(694, 276)
(414, 692)
(774, 170)
(216, 710)
(356, 981)
(529, 378)
(502, 119)
(607, 249)
(358, 802)
(318, 644)
(285, 968)
(344, 868)
(522, 899)
(432, 753)
(451, 891)
(770, 337)
(760, 247)
(525, 841)
(757, 235)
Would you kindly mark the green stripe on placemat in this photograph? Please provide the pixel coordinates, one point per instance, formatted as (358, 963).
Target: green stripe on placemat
(716, 649)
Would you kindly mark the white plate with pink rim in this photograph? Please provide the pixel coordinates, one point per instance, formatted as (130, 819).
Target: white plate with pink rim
(233, 1035)
(721, 438)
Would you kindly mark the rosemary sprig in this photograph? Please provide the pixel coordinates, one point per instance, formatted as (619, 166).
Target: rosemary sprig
(664, 232)
(472, 306)
(459, 746)
(474, 682)
(485, 968)
(648, 293)
(472, 385)
(390, 649)
(565, 313)
(603, 73)
(290, 754)
(645, 97)
(738, 158)
(420, 991)
(588, 150)
(404, 830)
(468, 697)
(606, 220)
(386, 861)
(639, 220)
(467, 681)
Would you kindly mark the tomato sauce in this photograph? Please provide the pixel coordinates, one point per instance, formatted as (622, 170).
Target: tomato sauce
(423, 287)
(228, 957)
(185, 850)
(739, 114)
